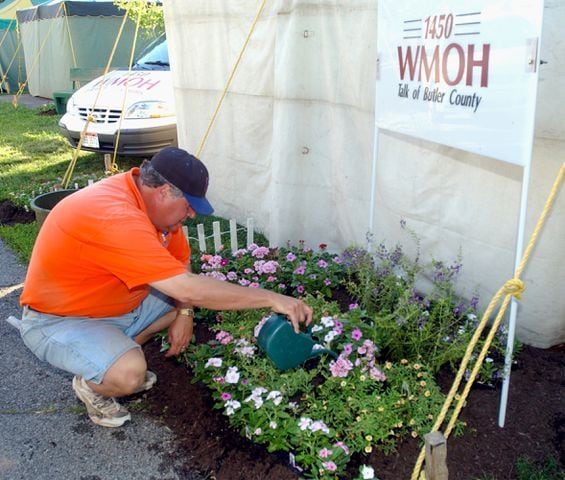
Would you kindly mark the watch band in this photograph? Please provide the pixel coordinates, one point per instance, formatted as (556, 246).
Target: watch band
(189, 312)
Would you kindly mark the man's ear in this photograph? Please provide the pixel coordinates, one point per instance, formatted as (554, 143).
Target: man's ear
(162, 192)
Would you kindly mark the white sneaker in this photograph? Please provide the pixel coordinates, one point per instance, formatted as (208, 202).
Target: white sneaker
(104, 411)
(150, 380)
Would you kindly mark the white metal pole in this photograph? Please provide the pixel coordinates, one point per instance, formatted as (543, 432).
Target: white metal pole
(370, 233)
(373, 197)
(513, 303)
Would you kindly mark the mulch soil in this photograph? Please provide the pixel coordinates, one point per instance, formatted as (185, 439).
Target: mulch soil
(11, 215)
(534, 427)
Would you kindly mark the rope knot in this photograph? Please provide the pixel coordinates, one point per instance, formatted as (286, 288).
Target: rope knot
(514, 287)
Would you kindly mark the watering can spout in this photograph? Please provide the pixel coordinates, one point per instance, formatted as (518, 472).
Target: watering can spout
(286, 348)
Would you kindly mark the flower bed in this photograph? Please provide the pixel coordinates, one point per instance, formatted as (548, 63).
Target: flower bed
(390, 340)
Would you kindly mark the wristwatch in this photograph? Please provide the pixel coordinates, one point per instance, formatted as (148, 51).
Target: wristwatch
(189, 312)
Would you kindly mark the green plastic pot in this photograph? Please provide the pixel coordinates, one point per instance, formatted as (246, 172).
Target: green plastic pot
(44, 203)
(286, 348)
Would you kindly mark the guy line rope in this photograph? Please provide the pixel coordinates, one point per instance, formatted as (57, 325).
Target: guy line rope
(512, 288)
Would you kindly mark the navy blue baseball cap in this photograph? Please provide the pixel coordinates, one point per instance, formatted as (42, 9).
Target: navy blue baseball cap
(187, 173)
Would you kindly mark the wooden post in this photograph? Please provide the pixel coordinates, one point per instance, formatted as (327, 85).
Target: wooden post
(107, 162)
(436, 456)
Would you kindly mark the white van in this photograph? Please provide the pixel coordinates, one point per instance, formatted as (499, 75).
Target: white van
(146, 94)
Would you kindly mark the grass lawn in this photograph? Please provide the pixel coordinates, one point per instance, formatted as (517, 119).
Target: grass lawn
(34, 157)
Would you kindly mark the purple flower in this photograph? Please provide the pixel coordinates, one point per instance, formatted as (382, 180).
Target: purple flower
(343, 446)
(300, 270)
(356, 334)
(353, 306)
(330, 466)
(327, 282)
(260, 252)
(322, 264)
(232, 276)
(300, 289)
(226, 396)
(290, 257)
(324, 453)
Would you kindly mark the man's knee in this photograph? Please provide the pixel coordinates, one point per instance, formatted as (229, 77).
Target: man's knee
(127, 374)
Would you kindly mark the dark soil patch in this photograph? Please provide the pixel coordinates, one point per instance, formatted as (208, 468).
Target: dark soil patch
(535, 426)
(12, 215)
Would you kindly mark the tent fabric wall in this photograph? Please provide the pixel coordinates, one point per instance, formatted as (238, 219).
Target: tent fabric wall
(12, 61)
(292, 147)
(47, 30)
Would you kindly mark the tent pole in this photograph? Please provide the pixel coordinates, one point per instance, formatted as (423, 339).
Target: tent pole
(514, 303)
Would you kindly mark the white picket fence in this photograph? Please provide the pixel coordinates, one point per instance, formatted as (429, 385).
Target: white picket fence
(217, 235)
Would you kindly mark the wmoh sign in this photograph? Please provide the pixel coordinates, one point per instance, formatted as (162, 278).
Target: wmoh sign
(463, 74)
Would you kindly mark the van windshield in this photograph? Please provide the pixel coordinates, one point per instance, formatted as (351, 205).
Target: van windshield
(155, 57)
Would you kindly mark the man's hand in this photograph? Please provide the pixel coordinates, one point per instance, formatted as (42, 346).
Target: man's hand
(296, 310)
(179, 334)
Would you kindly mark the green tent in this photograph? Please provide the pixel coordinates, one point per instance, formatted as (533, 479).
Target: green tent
(12, 62)
(60, 35)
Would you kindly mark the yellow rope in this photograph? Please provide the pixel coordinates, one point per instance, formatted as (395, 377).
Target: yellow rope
(69, 172)
(70, 39)
(114, 166)
(512, 288)
(228, 83)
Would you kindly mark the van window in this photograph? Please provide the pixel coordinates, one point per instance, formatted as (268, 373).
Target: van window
(155, 57)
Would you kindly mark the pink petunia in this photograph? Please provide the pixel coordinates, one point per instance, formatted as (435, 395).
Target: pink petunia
(356, 334)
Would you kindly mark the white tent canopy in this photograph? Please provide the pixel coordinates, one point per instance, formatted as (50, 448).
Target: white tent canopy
(293, 145)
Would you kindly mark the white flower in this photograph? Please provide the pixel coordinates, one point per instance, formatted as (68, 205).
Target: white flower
(304, 423)
(330, 336)
(327, 321)
(232, 406)
(256, 398)
(275, 396)
(273, 425)
(316, 328)
(318, 425)
(213, 362)
(367, 473)
(258, 432)
(232, 375)
(245, 350)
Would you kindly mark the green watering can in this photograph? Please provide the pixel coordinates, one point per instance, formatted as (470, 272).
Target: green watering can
(284, 347)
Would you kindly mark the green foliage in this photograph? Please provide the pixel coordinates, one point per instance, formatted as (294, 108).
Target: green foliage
(548, 470)
(435, 325)
(528, 470)
(150, 15)
(390, 343)
(302, 411)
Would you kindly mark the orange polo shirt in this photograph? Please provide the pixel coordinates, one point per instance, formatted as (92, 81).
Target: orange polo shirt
(97, 251)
